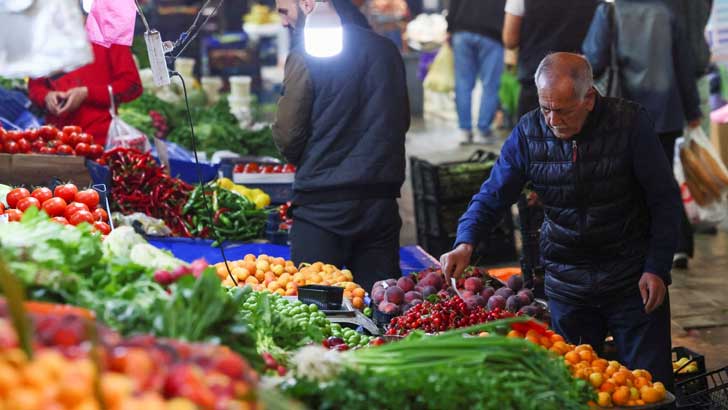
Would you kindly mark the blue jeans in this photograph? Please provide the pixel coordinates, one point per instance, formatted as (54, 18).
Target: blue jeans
(476, 56)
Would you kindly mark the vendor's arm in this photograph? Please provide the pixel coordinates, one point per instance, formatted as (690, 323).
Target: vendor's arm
(43, 96)
(514, 11)
(662, 196)
(292, 125)
(126, 83)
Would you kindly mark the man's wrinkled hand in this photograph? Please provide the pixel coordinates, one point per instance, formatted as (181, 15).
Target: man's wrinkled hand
(695, 123)
(455, 261)
(653, 291)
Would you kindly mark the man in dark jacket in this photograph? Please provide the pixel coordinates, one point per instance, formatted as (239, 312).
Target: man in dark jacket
(656, 69)
(342, 121)
(475, 28)
(611, 213)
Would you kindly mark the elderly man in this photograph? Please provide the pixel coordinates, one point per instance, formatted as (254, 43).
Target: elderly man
(342, 121)
(612, 213)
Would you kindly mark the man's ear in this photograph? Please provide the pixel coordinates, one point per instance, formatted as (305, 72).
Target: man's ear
(591, 98)
(307, 6)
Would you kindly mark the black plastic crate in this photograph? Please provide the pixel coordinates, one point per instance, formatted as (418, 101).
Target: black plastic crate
(696, 383)
(451, 181)
(495, 247)
(325, 297)
(713, 397)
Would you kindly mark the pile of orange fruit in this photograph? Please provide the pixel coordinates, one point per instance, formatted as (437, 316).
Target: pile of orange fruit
(281, 276)
(614, 383)
(50, 381)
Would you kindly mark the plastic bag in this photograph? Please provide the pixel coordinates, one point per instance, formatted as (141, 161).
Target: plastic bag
(698, 171)
(441, 77)
(124, 135)
(39, 38)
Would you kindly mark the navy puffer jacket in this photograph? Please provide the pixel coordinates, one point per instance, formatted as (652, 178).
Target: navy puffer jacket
(611, 203)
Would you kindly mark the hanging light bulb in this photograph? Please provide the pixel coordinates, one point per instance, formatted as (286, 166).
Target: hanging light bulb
(323, 35)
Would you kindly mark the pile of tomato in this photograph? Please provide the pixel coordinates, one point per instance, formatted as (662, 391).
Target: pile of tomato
(65, 204)
(255, 168)
(71, 140)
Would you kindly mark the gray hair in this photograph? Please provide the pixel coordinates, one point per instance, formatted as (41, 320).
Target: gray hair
(575, 66)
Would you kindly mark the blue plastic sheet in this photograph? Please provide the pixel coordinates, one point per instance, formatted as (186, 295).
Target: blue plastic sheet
(412, 258)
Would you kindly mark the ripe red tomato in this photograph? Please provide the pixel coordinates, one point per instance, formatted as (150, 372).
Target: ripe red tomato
(289, 168)
(11, 147)
(238, 168)
(37, 145)
(2, 149)
(101, 215)
(81, 216)
(83, 137)
(70, 129)
(61, 220)
(251, 168)
(42, 194)
(13, 136)
(277, 169)
(14, 215)
(82, 149)
(26, 203)
(32, 135)
(74, 207)
(2, 208)
(89, 197)
(47, 151)
(102, 227)
(47, 132)
(23, 146)
(268, 169)
(15, 196)
(67, 192)
(95, 151)
(64, 149)
(54, 143)
(55, 207)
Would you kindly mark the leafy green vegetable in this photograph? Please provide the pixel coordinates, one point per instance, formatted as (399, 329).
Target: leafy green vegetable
(449, 372)
(127, 245)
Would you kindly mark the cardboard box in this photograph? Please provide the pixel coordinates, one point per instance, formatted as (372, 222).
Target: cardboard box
(719, 138)
(33, 169)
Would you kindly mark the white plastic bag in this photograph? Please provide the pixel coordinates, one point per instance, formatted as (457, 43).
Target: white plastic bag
(124, 135)
(39, 38)
(711, 212)
(441, 77)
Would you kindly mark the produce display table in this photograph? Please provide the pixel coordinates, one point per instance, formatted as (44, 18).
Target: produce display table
(412, 258)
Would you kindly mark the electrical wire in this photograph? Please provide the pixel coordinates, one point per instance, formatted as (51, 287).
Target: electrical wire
(191, 38)
(199, 176)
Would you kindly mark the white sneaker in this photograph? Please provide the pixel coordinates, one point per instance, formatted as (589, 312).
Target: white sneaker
(486, 137)
(466, 137)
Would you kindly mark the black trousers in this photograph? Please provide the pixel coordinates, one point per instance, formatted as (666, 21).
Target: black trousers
(368, 245)
(685, 239)
(643, 340)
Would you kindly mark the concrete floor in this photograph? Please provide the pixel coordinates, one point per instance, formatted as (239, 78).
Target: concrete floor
(698, 295)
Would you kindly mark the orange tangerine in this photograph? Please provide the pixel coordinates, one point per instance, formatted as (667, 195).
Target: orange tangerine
(640, 402)
(600, 364)
(631, 403)
(650, 395)
(641, 382)
(545, 342)
(620, 378)
(608, 387)
(533, 339)
(604, 399)
(634, 394)
(642, 373)
(583, 347)
(621, 396)
(659, 387)
(515, 333)
(586, 355)
(557, 338)
(572, 357)
(596, 380)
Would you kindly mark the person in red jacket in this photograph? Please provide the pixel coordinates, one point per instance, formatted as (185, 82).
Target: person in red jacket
(82, 98)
